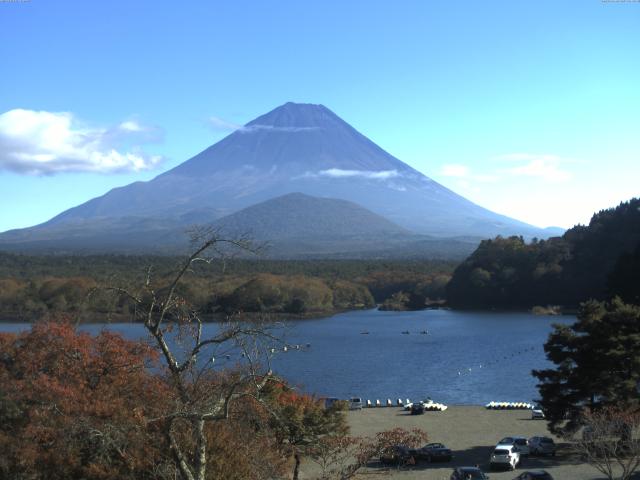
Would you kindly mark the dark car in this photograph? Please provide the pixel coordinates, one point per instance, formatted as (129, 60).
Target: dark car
(542, 446)
(330, 401)
(468, 473)
(417, 408)
(534, 475)
(397, 455)
(433, 452)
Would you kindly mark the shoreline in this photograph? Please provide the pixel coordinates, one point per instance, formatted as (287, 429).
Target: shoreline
(276, 317)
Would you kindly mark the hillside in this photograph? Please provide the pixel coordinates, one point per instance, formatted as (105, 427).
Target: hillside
(296, 215)
(594, 261)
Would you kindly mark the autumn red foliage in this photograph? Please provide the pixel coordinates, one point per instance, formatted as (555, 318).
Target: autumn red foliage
(75, 406)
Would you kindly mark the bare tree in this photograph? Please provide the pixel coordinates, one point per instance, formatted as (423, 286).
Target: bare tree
(610, 441)
(342, 457)
(204, 391)
(339, 456)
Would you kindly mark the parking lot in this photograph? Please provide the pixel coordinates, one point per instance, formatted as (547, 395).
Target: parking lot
(471, 432)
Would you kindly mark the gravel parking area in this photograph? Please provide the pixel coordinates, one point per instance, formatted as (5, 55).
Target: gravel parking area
(471, 432)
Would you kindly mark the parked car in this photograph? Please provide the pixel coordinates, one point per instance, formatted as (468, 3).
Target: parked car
(355, 403)
(417, 408)
(424, 403)
(328, 402)
(537, 414)
(506, 456)
(468, 473)
(542, 446)
(433, 452)
(397, 454)
(521, 443)
(534, 475)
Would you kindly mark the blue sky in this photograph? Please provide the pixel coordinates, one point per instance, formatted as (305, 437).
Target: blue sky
(531, 109)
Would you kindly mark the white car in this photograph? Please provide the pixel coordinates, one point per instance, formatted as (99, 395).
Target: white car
(355, 403)
(537, 414)
(505, 456)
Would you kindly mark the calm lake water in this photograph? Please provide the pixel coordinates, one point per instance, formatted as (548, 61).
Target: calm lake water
(466, 357)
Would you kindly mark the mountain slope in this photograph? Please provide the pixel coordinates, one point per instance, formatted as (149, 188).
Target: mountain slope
(296, 215)
(294, 148)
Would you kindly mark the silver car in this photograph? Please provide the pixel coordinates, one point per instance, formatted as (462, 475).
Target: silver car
(537, 414)
(521, 443)
(542, 446)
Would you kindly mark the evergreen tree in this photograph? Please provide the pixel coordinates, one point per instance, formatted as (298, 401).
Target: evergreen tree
(625, 278)
(597, 364)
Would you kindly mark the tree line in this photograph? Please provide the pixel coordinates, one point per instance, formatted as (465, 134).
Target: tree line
(598, 261)
(33, 286)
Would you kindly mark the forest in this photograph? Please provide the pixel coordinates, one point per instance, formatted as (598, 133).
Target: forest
(598, 261)
(32, 286)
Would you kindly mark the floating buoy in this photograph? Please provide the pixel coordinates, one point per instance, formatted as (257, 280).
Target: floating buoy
(284, 349)
(508, 405)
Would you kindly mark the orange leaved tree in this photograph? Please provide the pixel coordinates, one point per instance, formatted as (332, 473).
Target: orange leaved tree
(74, 405)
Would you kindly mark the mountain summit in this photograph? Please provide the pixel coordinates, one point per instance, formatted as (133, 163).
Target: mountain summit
(294, 148)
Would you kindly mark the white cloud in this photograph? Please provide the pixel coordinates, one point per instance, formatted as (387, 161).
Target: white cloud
(526, 165)
(377, 175)
(218, 123)
(464, 175)
(274, 128)
(544, 166)
(454, 170)
(41, 142)
(131, 126)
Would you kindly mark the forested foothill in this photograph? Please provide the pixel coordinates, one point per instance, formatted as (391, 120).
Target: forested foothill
(32, 286)
(597, 261)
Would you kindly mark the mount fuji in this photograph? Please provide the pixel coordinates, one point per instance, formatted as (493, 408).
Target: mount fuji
(295, 148)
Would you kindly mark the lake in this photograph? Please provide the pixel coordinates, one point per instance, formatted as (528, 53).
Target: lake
(466, 357)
